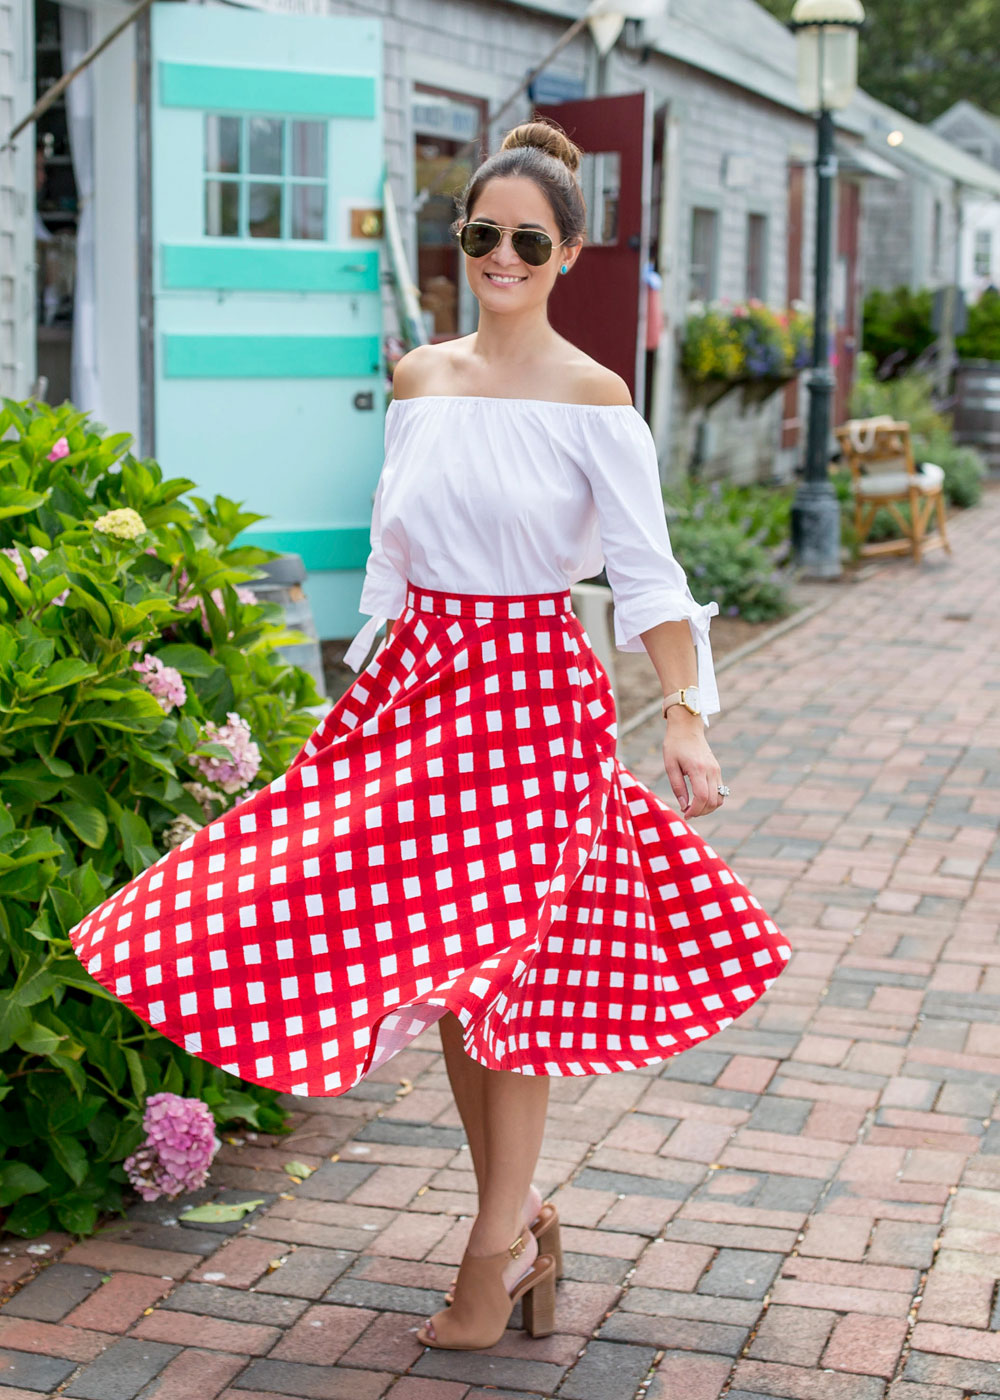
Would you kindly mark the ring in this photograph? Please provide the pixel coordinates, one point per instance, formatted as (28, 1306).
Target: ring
(722, 790)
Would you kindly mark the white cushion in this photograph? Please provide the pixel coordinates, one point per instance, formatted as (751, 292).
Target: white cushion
(928, 479)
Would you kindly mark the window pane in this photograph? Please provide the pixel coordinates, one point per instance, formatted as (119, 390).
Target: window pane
(266, 137)
(309, 148)
(756, 256)
(704, 227)
(265, 211)
(983, 252)
(222, 208)
(600, 179)
(222, 144)
(308, 211)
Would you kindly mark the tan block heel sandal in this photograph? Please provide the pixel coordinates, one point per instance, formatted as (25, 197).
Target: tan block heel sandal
(479, 1317)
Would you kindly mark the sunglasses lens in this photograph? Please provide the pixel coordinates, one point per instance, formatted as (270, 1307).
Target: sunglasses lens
(532, 248)
(479, 239)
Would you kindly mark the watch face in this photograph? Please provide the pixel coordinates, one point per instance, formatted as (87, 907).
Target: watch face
(692, 699)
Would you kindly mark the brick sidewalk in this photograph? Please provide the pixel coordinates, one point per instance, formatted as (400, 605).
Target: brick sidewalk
(809, 1207)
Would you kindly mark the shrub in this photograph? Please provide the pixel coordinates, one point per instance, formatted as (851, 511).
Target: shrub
(130, 652)
(897, 326)
(964, 468)
(981, 338)
(908, 399)
(729, 540)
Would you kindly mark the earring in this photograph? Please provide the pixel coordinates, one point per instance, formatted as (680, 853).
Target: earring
(564, 268)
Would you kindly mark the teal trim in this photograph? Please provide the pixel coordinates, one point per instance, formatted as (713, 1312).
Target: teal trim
(266, 90)
(270, 356)
(298, 268)
(339, 547)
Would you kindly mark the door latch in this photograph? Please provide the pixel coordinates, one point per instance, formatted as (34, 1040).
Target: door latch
(365, 401)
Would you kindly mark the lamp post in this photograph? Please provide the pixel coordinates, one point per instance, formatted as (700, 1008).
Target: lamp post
(826, 34)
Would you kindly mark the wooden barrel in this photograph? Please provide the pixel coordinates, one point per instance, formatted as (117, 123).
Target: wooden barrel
(282, 583)
(977, 407)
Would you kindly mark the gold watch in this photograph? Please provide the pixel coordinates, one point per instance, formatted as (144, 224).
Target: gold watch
(688, 696)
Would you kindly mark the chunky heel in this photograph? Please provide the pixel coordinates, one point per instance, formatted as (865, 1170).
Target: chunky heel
(538, 1305)
(546, 1232)
(545, 1228)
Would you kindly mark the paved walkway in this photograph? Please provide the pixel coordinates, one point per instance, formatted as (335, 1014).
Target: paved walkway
(808, 1207)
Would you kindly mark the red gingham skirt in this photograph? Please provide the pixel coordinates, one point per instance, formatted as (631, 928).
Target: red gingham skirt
(456, 835)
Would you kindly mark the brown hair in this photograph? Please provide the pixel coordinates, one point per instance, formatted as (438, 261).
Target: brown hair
(541, 151)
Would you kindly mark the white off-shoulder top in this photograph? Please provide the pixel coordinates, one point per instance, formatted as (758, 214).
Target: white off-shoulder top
(493, 495)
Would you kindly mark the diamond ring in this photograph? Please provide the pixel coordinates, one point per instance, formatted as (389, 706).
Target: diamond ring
(723, 791)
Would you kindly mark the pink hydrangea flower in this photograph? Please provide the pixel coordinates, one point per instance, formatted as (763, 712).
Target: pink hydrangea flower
(240, 769)
(60, 448)
(162, 681)
(38, 554)
(178, 1150)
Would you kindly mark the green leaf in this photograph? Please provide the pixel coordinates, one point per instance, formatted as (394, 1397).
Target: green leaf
(85, 822)
(70, 1155)
(35, 984)
(39, 846)
(298, 1169)
(14, 1022)
(136, 841)
(216, 1211)
(236, 1105)
(189, 660)
(58, 767)
(29, 1218)
(16, 500)
(37, 1039)
(63, 673)
(136, 1072)
(77, 1215)
(17, 1179)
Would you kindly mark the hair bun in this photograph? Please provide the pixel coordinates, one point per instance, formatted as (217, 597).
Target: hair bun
(547, 136)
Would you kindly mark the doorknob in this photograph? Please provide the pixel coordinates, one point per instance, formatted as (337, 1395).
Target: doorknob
(634, 242)
(365, 401)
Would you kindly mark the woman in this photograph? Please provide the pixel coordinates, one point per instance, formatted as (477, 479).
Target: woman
(457, 841)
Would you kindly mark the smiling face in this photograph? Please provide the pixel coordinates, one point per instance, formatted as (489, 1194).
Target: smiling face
(502, 281)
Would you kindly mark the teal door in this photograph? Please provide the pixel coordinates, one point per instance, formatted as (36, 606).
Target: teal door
(267, 175)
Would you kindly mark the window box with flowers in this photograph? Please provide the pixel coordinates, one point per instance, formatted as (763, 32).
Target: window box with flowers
(747, 344)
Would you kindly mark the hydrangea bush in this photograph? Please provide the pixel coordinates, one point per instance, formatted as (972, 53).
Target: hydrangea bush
(141, 694)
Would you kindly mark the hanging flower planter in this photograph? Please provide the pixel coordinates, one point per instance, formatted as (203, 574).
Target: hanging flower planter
(748, 344)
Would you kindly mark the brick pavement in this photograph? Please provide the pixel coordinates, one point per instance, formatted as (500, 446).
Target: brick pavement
(808, 1207)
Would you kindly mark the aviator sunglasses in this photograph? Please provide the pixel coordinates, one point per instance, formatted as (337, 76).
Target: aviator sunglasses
(531, 245)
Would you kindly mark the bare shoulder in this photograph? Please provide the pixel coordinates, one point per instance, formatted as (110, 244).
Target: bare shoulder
(427, 369)
(412, 372)
(594, 383)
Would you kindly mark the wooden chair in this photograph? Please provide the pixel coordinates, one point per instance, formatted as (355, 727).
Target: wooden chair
(880, 456)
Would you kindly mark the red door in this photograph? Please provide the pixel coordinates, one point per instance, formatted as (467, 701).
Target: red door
(602, 307)
(846, 294)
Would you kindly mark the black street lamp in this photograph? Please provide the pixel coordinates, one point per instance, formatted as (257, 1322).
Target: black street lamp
(826, 33)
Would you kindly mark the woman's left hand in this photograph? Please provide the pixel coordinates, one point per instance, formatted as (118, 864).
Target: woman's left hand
(686, 754)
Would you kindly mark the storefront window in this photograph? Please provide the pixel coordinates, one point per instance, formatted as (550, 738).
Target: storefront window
(443, 123)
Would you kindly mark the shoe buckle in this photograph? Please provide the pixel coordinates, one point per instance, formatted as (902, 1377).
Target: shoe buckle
(516, 1249)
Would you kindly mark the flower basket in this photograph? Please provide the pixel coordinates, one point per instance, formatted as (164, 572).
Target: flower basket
(758, 391)
(748, 344)
(704, 393)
